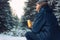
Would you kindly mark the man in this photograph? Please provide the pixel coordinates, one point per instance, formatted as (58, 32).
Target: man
(45, 26)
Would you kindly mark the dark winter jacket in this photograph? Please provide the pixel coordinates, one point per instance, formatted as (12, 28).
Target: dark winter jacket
(45, 25)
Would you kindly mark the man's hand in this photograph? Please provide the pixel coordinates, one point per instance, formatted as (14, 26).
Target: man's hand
(29, 23)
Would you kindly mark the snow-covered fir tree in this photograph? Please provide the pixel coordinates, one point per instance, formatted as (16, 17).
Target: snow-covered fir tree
(6, 20)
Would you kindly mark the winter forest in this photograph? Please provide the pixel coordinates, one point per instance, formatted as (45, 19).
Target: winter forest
(15, 13)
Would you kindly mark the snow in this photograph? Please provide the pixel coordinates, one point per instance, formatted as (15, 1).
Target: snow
(6, 37)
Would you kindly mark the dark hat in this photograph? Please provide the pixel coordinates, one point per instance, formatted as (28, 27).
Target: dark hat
(41, 1)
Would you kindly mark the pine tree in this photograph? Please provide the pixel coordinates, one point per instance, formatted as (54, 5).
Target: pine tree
(30, 9)
(56, 9)
(6, 18)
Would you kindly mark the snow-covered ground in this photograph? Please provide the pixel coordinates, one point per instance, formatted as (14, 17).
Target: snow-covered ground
(6, 37)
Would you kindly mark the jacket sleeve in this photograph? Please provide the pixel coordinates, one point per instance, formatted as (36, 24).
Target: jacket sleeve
(39, 22)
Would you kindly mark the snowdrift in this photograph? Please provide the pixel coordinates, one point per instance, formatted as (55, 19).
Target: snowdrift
(6, 37)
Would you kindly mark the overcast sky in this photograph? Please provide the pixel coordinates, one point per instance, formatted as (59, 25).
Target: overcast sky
(17, 7)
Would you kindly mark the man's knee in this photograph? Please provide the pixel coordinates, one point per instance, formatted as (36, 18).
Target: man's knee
(31, 35)
(27, 34)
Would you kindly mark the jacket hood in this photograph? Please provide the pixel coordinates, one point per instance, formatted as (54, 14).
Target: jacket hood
(46, 8)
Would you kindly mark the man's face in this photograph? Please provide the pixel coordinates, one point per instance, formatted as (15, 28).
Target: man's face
(37, 7)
